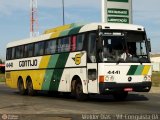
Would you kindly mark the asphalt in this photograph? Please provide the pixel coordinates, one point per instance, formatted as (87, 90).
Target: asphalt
(155, 90)
(44, 107)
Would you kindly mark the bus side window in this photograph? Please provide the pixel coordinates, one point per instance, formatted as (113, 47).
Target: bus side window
(9, 52)
(13, 53)
(39, 49)
(92, 47)
(28, 51)
(50, 47)
(19, 52)
(66, 44)
(80, 39)
(59, 45)
(73, 43)
(62, 44)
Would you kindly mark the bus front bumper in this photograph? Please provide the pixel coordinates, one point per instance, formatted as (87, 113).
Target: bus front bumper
(109, 87)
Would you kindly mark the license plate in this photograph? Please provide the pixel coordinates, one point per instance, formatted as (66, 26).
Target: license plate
(128, 89)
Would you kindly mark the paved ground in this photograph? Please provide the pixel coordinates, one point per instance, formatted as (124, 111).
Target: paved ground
(11, 103)
(155, 90)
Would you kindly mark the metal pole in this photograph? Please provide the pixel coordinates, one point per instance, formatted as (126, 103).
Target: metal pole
(63, 12)
(131, 21)
(103, 13)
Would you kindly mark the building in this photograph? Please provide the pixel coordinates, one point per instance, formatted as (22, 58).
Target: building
(155, 59)
(2, 68)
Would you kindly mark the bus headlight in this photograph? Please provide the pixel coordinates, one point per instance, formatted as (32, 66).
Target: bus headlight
(109, 79)
(106, 78)
(147, 78)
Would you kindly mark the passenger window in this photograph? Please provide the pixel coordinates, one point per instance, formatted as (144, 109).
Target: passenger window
(73, 43)
(80, 39)
(28, 50)
(60, 42)
(13, 53)
(9, 52)
(39, 49)
(64, 44)
(19, 52)
(50, 47)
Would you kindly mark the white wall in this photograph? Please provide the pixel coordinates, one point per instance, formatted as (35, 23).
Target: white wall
(155, 63)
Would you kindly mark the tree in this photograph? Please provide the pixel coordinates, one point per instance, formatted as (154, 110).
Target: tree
(0, 61)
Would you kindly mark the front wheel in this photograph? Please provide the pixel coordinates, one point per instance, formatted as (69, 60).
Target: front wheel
(79, 92)
(120, 96)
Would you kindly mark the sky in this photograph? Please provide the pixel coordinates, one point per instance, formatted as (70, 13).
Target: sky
(15, 18)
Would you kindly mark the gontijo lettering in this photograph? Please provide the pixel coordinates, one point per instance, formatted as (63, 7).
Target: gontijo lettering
(28, 63)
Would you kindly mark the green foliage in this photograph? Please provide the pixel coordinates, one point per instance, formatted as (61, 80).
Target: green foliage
(1, 61)
(2, 77)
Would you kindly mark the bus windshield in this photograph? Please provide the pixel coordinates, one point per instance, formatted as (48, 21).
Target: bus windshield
(124, 47)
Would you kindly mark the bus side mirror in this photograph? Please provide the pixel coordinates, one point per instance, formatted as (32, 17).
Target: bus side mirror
(149, 45)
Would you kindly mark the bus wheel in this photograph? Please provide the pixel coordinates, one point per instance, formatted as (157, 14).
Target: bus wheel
(79, 92)
(31, 91)
(120, 96)
(21, 88)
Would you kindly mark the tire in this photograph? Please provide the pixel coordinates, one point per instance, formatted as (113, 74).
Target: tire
(30, 90)
(20, 85)
(120, 96)
(79, 92)
(73, 91)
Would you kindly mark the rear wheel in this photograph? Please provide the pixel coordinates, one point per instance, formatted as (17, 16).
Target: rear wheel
(79, 91)
(20, 86)
(31, 91)
(120, 96)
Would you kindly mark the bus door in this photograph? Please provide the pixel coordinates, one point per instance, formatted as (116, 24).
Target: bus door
(92, 65)
(92, 78)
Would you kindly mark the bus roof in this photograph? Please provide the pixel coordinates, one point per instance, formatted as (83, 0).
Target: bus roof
(74, 29)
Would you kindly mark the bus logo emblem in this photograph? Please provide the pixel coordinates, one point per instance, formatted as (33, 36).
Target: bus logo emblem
(77, 58)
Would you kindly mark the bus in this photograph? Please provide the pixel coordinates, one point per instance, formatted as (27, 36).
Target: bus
(82, 59)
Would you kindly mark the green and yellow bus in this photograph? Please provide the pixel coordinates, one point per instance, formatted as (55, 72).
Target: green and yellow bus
(82, 59)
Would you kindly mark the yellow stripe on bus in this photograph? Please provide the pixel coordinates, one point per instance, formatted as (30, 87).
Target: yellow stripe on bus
(58, 29)
(55, 35)
(44, 61)
(146, 70)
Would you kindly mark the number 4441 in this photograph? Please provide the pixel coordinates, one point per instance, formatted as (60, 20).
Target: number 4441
(114, 72)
